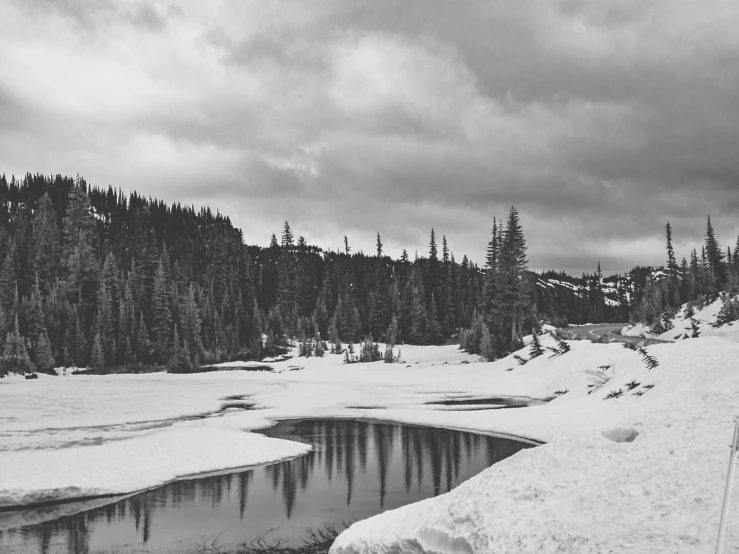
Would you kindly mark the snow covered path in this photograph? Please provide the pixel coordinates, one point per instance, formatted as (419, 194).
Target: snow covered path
(580, 492)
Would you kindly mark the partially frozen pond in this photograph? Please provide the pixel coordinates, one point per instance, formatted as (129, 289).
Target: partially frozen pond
(356, 469)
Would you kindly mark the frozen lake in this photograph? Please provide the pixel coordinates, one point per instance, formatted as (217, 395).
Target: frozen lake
(356, 469)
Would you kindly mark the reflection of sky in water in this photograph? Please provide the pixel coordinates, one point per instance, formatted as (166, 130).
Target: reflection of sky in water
(357, 469)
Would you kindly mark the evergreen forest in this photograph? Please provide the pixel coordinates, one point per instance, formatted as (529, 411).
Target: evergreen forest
(93, 278)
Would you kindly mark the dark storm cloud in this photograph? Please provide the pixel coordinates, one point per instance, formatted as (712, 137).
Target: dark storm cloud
(599, 120)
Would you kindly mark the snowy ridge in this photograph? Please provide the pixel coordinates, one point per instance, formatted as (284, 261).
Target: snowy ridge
(611, 289)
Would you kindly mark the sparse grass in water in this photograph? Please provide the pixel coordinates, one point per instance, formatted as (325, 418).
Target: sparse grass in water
(317, 541)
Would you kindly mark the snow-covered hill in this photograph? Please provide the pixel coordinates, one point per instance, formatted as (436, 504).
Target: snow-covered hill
(617, 290)
(682, 326)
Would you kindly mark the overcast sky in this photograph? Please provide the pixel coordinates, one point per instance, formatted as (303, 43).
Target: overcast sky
(598, 120)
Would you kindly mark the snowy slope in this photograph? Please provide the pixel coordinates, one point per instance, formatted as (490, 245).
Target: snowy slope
(682, 327)
(583, 492)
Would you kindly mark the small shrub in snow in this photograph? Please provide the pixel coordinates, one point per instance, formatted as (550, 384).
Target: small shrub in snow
(320, 349)
(561, 392)
(519, 359)
(649, 361)
(618, 393)
(561, 348)
(663, 323)
(696, 332)
(598, 377)
(729, 311)
(536, 350)
(639, 393)
(388, 357)
(632, 385)
(629, 345)
(487, 349)
(509, 369)
(648, 387)
(305, 349)
(370, 351)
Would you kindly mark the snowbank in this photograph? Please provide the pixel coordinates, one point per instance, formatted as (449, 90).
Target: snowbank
(582, 492)
(120, 467)
(638, 330)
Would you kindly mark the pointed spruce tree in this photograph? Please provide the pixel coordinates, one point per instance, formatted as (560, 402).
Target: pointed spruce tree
(15, 354)
(162, 316)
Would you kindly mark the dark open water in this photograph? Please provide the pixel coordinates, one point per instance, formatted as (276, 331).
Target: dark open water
(357, 469)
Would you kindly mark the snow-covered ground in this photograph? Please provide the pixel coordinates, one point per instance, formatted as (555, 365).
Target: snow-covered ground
(682, 327)
(638, 330)
(73, 436)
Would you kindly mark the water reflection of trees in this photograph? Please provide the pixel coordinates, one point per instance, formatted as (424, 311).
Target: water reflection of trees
(345, 453)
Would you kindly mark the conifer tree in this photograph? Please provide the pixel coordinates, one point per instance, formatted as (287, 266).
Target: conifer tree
(419, 323)
(15, 355)
(321, 315)
(275, 324)
(80, 271)
(142, 341)
(179, 362)
(44, 357)
(46, 247)
(162, 316)
(287, 237)
(129, 357)
(8, 282)
(490, 293)
(432, 273)
(715, 261)
(97, 357)
(346, 321)
(487, 349)
(379, 246)
(434, 327)
(536, 350)
(671, 268)
(392, 331)
(35, 314)
(514, 300)
(191, 328)
(732, 284)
